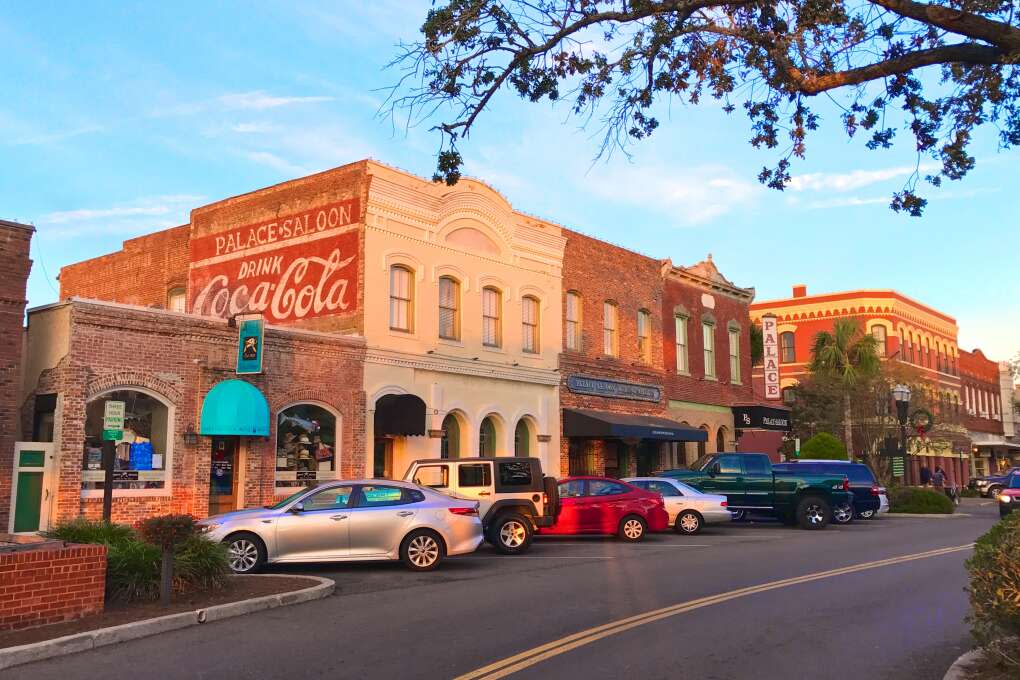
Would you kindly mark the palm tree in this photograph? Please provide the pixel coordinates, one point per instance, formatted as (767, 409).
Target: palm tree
(846, 355)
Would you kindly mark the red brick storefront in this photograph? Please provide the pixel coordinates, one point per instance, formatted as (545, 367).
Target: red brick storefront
(85, 351)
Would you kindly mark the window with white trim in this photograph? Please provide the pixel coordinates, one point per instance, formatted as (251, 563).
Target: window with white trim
(449, 308)
(491, 317)
(573, 328)
(644, 335)
(708, 340)
(401, 299)
(141, 447)
(734, 355)
(176, 299)
(878, 332)
(682, 365)
(530, 340)
(609, 341)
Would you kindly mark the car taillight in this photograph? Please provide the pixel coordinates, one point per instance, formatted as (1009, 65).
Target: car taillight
(875, 490)
(846, 484)
(545, 499)
(723, 504)
(464, 511)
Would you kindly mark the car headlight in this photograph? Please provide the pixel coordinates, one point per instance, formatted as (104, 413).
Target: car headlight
(1004, 499)
(206, 528)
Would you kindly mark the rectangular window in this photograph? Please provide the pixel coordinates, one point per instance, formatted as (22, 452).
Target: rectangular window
(681, 344)
(475, 474)
(644, 336)
(434, 476)
(878, 332)
(515, 474)
(734, 355)
(573, 329)
(787, 350)
(491, 332)
(708, 337)
(401, 293)
(449, 308)
(529, 324)
(609, 345)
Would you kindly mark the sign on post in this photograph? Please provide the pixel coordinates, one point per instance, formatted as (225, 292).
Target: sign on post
(113, 421)
(897, 466)
(250, 333)
(770, 355)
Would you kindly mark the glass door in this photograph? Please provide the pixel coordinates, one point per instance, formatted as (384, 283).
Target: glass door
(223, 475)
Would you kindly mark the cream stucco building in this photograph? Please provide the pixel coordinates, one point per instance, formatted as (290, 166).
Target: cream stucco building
(462, 298)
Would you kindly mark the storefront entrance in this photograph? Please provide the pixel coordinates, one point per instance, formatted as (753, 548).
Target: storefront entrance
(648, 459)
(223, 475)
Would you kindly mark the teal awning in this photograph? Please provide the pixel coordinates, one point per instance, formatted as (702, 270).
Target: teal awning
(235, 407)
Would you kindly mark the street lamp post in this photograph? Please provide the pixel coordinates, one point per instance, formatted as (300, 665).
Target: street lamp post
(901, 393)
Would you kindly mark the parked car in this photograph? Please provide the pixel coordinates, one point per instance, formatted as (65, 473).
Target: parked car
(514, 497)
(863, 485)
(357, 520)
(749, 484)
(1009, 497)
(689, 510)
(599, 505)
(990, 485)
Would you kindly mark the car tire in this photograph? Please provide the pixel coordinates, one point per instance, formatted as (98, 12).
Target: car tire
(511, 533)
(422, 550)
(689, 523)
(843, 514)
(738, 515)
(813, 512)
(632, 529)
(993, 491)
(867, 514)
(246, 553)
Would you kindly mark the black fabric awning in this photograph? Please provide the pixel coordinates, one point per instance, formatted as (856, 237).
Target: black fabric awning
(602, 424)
(399, 415)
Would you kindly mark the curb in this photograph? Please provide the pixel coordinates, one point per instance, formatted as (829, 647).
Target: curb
(925, 515)
(101, 637)
(958, 670)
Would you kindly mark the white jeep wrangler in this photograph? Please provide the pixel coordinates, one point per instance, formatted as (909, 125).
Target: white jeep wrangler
(514, 497)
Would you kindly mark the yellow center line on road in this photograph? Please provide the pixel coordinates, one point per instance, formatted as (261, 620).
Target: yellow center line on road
(518, 662)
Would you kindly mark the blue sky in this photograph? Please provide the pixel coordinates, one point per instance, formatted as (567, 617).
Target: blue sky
(118, 118)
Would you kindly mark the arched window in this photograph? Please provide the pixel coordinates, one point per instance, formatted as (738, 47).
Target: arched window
(449, 445)
(487, 438)
(142, 447)
(644, 335)
(573, 327)
(910, 347)
(401, 299)
(610, 344)
(720, 439)
(306, 445)
(530, 340)
(787, 350)
(176, 299)
(449, 308)
(492, 331)
(522, 439)
(878, 332)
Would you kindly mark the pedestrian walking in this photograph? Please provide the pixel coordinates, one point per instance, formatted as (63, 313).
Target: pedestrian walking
(938, 479)
(925, 475)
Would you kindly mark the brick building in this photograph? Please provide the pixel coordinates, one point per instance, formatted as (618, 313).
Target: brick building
(15, 265)
(984, 414)
(907, 331)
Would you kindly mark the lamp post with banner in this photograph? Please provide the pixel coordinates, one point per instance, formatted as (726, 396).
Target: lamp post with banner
(901, 394)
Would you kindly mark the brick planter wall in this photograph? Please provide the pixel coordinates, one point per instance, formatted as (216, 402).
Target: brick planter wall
(50, 584)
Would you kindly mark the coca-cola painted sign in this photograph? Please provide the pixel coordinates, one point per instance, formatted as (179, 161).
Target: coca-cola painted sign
(296, 267)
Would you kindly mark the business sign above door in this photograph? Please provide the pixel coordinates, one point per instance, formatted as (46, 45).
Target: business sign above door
(580, 384)
(761, 418)
(288, 269)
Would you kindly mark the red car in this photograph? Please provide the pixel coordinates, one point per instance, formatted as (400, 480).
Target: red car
(599, 505)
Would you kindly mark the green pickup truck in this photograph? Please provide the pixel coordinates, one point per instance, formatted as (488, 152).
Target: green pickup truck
(750, 485)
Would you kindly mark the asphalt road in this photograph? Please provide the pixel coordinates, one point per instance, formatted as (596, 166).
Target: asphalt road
(890, 620)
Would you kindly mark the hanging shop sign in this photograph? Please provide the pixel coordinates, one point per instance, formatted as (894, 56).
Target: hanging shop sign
(761, 418)
(770, 355)
(580, 384)
(292, 268)
(250, 334)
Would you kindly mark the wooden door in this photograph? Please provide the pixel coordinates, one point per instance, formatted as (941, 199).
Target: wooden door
(223, 475)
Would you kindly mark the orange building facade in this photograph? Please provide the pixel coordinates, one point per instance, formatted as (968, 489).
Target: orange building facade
(907, 331)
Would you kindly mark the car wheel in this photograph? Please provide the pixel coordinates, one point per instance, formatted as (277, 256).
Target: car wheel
(632, 529)
(843, 514)
(246, 553)
(867, 514)
(813, 513)
(993, 491)
(511, 533)
(688, 522)
(738, 515)
(422, 550)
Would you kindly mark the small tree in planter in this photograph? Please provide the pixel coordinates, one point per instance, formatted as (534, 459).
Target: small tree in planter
(166, 531)
(825, 446)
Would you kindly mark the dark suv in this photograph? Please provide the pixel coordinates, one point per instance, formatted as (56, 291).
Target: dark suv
(863, 485)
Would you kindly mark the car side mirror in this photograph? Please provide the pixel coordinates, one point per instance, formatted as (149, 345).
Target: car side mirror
(297, 507)
(714, 469)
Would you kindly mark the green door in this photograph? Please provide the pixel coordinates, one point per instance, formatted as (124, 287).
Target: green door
(29, 490)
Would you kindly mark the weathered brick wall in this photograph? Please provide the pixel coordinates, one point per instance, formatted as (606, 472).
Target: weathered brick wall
(141, 273)
(51, 584)
(180, 358)
(14, 269)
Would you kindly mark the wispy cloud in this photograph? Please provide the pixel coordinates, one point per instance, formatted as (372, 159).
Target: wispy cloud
(273, 161)
(848, 181)
(122, 218)
(254, 128)
(58, 136)
(260, 100)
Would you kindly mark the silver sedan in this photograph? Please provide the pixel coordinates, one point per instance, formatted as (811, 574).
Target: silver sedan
(351, 521)
(689, 509)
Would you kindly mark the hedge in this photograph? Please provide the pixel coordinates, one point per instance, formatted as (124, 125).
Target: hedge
(994, 593)
(920, 501)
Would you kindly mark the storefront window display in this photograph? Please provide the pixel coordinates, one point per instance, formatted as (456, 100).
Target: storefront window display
(140, 453)
(305, 446)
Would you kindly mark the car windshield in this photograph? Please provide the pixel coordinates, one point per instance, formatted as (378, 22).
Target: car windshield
(288, 499)
(684, 489)
(701, 462)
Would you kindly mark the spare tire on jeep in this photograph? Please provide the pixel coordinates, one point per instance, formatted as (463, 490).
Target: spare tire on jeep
(552, 496)
(510, 533)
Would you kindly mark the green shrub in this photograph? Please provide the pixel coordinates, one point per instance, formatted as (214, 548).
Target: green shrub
(91, 531)
(132, 571)
(994, 591)
(167, 530)
(200, 564)
(920, 501)
(824, 446)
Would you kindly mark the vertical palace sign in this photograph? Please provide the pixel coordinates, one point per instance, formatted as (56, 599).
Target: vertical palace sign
(770, 343)
(291, 268)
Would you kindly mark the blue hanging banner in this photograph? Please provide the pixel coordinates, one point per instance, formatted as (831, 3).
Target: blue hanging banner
(250, 333)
